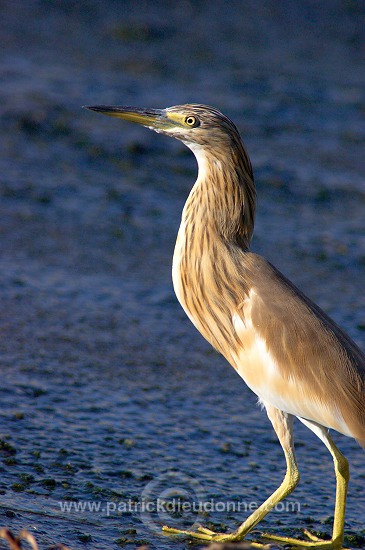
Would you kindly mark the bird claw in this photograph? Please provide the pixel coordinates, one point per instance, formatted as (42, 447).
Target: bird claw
(313, 537)
(202, 533)
(313, 542)
(206, 530)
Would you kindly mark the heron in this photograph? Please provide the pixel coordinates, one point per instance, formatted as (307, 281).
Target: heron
(294, 357)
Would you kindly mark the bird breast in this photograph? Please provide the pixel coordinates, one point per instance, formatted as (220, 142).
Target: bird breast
(202, 289)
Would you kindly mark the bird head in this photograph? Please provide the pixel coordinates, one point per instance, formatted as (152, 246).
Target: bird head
(222, 159)
(198, 126)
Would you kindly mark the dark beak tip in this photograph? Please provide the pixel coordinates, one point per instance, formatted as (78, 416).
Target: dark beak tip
(91, 107)
(104, 109)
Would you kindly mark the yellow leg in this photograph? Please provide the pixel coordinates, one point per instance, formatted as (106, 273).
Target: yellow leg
(342, 478)
(283, 425)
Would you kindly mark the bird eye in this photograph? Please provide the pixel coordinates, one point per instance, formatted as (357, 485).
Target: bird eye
(192, 121)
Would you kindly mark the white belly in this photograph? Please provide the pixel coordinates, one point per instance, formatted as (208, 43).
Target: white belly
(261, 373)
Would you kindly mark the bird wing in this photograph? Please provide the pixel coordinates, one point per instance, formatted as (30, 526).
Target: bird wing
(294, 356)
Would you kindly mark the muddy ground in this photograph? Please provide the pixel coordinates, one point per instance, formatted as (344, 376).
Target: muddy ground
(108, 393)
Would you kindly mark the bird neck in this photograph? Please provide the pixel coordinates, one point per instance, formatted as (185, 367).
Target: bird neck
(224, 196)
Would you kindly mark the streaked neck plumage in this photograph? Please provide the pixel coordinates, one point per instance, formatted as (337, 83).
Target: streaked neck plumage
(224, 194)
(216, 225)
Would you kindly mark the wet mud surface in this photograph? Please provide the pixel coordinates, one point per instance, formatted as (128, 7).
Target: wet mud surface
(108, 394)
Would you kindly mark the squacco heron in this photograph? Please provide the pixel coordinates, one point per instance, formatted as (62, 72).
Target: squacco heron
(287, 350)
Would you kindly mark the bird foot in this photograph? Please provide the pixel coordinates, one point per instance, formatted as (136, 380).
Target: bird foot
(202, 533)
(313, 542)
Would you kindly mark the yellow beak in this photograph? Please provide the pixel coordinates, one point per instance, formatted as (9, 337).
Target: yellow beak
(155, 119)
